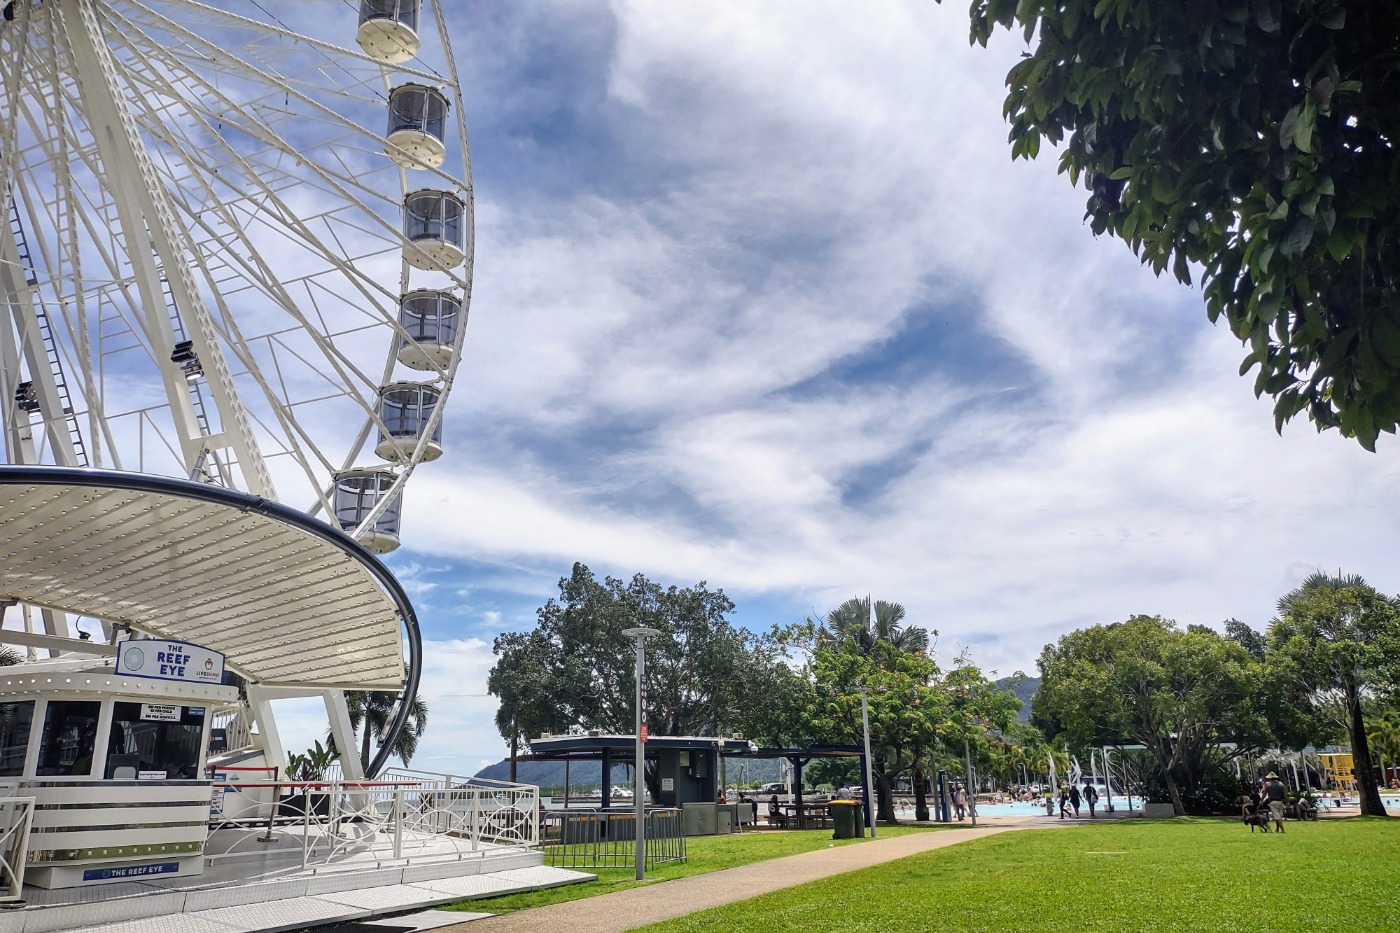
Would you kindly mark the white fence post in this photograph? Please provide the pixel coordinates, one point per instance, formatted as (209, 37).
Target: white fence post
(18, 813)
(398, 821)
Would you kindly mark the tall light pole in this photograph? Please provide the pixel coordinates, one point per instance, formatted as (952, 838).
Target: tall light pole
(869, 762)
(639, 771)
(971, 788)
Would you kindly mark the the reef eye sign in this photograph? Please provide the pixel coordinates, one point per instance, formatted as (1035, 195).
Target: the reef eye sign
(169, 660)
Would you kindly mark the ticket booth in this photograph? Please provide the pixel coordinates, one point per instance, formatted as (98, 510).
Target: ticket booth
(113, 751)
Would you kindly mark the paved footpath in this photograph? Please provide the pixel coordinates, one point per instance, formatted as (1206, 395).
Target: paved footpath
(636, 907)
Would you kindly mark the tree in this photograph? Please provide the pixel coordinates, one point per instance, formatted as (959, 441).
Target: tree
(371, 711)
(905, 710)
(523, 682)
(1383, 736)
(577, 668)
(1247, 638)
(883, 622)
(1192, 699)
(1254, 139)
(1338, 639)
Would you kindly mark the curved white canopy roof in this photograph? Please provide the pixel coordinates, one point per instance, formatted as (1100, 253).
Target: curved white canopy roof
(291, 601)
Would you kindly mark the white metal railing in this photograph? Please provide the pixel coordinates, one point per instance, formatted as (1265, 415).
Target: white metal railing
(16, 815)
(397, 817)
(237, 725)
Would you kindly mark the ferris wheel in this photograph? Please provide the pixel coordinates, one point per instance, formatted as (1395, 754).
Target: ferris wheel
(236, 248)
(237, 245)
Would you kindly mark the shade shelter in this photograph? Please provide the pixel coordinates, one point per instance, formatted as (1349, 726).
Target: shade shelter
(687, 766)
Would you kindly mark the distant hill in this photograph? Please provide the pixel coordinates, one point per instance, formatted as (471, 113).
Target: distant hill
(550, 774)
(1024, 688)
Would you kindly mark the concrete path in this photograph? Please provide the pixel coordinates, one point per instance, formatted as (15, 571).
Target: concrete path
(636, 907)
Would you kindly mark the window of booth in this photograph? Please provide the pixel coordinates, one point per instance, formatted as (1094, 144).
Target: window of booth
(70, 733)
(15, 720)
(154, 741)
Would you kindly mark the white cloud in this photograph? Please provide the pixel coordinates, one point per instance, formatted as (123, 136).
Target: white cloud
(637, 392)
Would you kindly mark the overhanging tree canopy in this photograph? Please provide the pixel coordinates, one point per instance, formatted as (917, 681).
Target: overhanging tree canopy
(1255, 138)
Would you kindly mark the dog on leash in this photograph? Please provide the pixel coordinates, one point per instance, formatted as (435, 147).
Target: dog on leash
(1254, 815)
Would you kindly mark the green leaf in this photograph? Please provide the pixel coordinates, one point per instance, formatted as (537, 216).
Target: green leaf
(1303, 138)
(1268, 15)
(1299, 237)
(1335, 18)
(1339, 246)
(1289, 126)
(1385, 334)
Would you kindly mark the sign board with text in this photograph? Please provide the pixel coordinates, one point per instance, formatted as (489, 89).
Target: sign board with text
(170, 660)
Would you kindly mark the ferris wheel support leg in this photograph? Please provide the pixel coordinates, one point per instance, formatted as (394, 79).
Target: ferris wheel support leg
(338, 712)
(261, 707)
(146, 216)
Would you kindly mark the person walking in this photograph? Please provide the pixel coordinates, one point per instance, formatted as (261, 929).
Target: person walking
(1275, 795)
(1091, 797)
(1074, 799)
(960, 802)
(1064, 803)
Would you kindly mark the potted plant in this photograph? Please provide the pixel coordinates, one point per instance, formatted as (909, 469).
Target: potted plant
(308, 768)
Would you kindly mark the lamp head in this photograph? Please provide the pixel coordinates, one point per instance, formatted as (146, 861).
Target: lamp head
(641, 632)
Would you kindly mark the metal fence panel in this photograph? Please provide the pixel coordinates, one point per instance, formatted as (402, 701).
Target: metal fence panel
(608, 839)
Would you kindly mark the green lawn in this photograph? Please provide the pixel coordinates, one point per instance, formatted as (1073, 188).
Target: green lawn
(703, 854)
(1133, 875)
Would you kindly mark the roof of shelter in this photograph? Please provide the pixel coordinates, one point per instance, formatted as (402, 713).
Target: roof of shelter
(288, 599)
(577, 746)
(811, 751)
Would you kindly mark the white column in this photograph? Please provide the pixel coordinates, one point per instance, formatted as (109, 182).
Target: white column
(261, 706)
(344, 734)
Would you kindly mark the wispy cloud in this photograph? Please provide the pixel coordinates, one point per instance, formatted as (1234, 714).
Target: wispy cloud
(762, 300)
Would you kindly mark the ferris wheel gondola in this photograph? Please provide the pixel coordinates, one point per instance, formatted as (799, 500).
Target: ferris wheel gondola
(237, 246)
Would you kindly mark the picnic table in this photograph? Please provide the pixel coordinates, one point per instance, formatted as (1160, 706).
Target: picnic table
(807, 815)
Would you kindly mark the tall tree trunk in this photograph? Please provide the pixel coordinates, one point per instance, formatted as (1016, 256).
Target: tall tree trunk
(364, 743)
(885, 792)
(1173, 790)
(1366, 787)
(920, 791)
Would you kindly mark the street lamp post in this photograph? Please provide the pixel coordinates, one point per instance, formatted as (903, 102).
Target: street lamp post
(639, 771)
(870, 802)
(971, 787)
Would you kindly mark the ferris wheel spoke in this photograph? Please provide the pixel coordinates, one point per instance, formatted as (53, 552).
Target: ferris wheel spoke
(241, 279)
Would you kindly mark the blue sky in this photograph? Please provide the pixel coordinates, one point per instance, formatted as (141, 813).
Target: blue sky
(761, 299)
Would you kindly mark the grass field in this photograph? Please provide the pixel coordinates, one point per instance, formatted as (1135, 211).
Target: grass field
(1132, 875)
(703, 854)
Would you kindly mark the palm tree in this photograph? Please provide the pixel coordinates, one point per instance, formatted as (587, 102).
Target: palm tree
(868, 624)
(1384, 735)
(371, 711)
